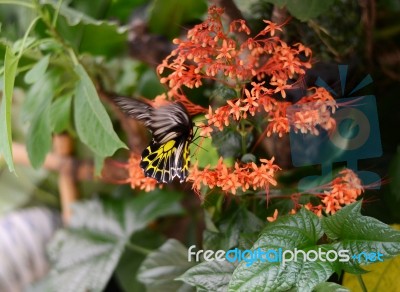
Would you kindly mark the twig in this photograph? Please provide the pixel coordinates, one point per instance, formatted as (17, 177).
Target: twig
(232, 13)
(231, 10)
(63, 148)
(368, 18)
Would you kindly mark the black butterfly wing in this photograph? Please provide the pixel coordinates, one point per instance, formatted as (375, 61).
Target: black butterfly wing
(166, 161)
(170, 122)
(167, 156)
(135, 108)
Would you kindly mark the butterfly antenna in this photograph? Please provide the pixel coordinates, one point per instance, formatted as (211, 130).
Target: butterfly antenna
(200, 147)
(197, 138)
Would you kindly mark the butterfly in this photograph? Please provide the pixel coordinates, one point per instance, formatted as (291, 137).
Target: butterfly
(167, 155)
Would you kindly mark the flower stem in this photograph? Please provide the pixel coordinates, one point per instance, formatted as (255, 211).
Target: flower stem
(362, 284)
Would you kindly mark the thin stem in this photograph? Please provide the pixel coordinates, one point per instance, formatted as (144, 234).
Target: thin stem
(362, 284)
(16, 2)
(73, 56)
(55, 34)
(23, 69)
(57, 12)
(243, 134)
(138, 248)
(26, 36)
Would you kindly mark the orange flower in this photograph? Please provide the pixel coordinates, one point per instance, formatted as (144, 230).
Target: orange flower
(273, 218)
(236, 109)
(136, 175)
(243, 176)
(224, 51)
(341, 191)
(270, 28)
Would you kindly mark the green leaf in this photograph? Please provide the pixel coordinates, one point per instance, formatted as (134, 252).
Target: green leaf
(175, 13)
(92, 122)
(330, 287)
(83, 262)
(300, 231)
(39, 140)
(228, 142)
(210, 276)
(17, 191)
(304, 9)
(10, 69)
(60, 114)
(122, 10)
(149, 84)
(382, 276)
(159, 270)
(86, 34)
(230, 229)
(22, 44)
(86, 253)
(131, 260)
(37, 71)
(39, 93)
(352, 231)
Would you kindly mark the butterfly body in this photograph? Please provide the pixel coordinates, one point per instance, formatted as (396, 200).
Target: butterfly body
(167, 155)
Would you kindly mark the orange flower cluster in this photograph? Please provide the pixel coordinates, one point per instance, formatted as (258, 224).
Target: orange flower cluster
(137, 178)
(342, 191)
(211, 52)
(304, 116)
(241, 176)
(312, 111)
(257, 98)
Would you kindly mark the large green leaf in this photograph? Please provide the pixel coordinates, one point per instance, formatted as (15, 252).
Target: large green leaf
(300, 231)
(39, 139)
(351, 231)
(304, 9)
(85, 254)
(15, 192)
(160, 269)
(37, 71)
(38, 94)
(228, 142)
(10, 69)
(86, 34)
(330, 287)
(92, 122)
(231, 227)
(210, 276)
(60, 114)
(175, 13)
(131, 259)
